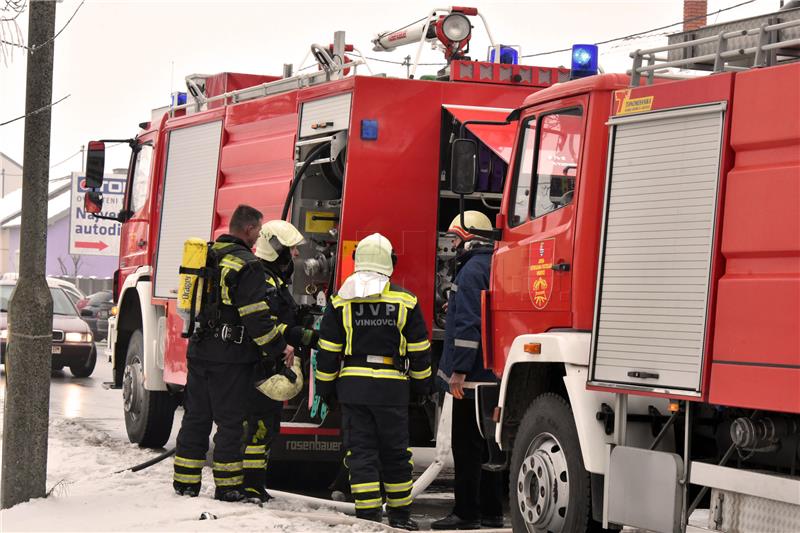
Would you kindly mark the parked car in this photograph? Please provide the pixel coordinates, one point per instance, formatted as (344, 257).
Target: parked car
(73, 342)
(95, 310)
(73, 292)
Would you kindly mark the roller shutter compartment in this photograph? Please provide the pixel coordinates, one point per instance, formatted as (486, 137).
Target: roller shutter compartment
(658, 234)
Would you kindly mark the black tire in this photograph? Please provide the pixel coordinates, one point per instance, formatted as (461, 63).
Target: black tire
(85, 370)
(547, 443)
(148, 414)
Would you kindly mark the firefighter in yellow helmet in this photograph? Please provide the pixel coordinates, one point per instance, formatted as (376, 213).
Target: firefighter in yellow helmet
(277, 380)
(478, 492)
(373, 354)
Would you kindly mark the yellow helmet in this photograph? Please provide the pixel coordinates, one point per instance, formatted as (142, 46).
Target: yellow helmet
(374, 254)
(281, 388)
(276, 235)
(473, 219)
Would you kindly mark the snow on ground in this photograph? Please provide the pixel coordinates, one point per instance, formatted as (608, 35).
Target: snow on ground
(88, 496)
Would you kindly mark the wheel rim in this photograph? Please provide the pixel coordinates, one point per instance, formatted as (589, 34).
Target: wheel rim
(132, 382)
(543, 485)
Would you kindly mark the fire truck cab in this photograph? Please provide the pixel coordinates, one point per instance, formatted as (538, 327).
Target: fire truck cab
(645, 293)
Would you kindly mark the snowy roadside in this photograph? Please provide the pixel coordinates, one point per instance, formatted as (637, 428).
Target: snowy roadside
(88, 496)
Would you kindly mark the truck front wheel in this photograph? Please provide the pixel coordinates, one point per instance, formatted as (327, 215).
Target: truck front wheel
(148, 414)
(550, 490)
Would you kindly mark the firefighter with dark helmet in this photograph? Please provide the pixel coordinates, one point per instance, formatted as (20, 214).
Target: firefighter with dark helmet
(478, 492)
(373, 354)
(276, 247)
(235, 330)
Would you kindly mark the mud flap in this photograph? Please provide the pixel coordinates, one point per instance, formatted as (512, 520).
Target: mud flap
(487, 397)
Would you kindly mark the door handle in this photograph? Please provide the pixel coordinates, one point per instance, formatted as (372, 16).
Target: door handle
(142, 243)
(560, 267)
(642, 375)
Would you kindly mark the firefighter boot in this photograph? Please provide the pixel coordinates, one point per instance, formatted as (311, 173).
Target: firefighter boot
(229, 494)
(373, 515)
(186, 489)
(255, 481)
(402, 520)
(257, 494)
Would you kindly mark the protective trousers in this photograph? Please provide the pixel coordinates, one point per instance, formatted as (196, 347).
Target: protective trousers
(263, 423)
(376, 438)
(215, 393)
(478, 492)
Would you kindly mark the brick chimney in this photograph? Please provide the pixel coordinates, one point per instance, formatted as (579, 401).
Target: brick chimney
(692, 9)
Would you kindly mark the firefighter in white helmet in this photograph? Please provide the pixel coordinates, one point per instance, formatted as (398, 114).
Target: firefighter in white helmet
(478, 492)
(276, 380)
(373, 355)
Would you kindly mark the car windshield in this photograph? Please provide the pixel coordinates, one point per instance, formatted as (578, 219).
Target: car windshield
(61, 304)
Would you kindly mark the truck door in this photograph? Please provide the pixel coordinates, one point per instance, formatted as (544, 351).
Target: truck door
(532, 264)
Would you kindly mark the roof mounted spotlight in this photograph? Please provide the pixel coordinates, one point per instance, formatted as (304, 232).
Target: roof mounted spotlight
(447, 29)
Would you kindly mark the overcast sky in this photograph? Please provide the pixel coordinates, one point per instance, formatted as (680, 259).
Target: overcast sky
(119, 59)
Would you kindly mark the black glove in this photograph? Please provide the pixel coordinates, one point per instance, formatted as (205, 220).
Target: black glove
(327, 391)
(300, 336)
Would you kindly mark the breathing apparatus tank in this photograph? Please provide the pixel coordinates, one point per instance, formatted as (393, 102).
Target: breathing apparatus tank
(190, 282)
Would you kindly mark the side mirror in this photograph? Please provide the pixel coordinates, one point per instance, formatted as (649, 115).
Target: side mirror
(95, 164)
(463, 165)
(93, 202)
(87, 312)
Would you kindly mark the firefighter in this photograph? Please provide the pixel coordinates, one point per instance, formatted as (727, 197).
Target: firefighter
(235, 330)
(373, 354)
(478, 493)
(276, 247)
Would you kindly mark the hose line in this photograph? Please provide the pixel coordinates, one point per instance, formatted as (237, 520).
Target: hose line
(149, 463)
(315, 153)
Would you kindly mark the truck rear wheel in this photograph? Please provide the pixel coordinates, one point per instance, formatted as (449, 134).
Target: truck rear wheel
(550, 490)
(148, 414)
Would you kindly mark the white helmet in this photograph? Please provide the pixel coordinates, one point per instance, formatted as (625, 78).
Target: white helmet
(472, 219)
(276, 235)
(374, 254)
(279, 387)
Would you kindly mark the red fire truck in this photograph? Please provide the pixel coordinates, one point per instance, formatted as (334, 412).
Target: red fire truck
(644, 309)
(350, 154)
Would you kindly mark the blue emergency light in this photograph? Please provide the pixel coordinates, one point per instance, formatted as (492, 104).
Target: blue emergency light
(508, 55)
(584, 61)
(178, 98)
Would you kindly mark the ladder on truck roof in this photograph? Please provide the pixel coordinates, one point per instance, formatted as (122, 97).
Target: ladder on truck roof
(739, 49)
(332, 67)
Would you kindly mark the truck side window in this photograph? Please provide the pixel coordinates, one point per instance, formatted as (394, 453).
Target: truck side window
(140, 184)
(522, 184)
(557, 153)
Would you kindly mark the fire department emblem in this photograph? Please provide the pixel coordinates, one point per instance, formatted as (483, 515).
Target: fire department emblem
(540, 273)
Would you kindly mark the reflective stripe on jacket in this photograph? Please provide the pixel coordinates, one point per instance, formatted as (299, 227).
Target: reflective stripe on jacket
(374, 349)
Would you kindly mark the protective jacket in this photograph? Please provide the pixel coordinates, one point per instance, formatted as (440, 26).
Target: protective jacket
(236, 326)
(370, 348)
(462, 350)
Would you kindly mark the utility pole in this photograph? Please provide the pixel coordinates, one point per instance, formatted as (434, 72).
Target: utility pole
(27, 401)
